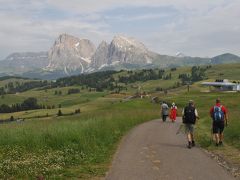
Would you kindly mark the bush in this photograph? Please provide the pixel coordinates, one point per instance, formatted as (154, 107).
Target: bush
(11, 118)
(77, 111)
(73, 91)
(59, 112)
(158, 89)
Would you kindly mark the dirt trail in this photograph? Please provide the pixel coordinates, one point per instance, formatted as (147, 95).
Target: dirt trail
(153, 151)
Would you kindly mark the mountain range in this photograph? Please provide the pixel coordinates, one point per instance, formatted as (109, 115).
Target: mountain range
(23, 62)
(70, 55)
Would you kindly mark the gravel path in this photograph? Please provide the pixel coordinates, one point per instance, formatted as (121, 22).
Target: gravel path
(153, 151)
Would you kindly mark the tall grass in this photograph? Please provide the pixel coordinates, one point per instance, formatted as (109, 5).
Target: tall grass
(52, 148)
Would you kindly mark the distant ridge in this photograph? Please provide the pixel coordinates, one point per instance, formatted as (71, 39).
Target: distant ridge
(22, 62)
(71, 55)
(225, 59)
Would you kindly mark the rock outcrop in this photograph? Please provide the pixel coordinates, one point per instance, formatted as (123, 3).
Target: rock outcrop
(70, 54)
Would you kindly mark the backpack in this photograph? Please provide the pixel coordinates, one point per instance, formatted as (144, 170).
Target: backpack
(218, 114)
(189, 115)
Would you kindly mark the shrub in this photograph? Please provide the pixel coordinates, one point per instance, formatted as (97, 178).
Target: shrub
(11, 118)
(77, 111)
(59, 112)
(73, 91)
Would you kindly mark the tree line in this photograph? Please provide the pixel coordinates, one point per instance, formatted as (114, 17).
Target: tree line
(28, 104)
(143, 75)
(106, 80)
(98, 80)
(15, 87)
(197, 74)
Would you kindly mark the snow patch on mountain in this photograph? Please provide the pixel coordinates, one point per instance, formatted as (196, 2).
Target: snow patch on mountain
(65, 70)
(115, 63)
(102, 66)
(179, 54)
(88, 60)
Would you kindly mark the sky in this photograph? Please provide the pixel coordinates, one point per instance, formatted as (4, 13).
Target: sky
(202, 28)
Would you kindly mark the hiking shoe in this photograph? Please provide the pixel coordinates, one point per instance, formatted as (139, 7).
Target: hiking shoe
(189, 145)
(220, 143)
(216, 144)
(193, 143)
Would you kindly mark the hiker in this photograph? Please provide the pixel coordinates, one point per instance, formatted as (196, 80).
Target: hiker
(173, 112)
(190, 115)
(219, 116)
(164, 110)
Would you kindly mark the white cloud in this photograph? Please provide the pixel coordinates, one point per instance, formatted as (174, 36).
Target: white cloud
(138, 17)
(19, 32)
(201, 28)
(91, 6)
(210, 33)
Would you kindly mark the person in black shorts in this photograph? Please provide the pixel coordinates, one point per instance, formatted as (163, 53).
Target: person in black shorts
(219, 116)
(189, 116)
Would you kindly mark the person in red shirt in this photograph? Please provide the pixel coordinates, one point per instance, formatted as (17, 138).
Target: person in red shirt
(219, 116)
(173, 112)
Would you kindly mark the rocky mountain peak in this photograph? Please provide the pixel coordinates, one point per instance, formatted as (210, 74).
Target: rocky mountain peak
(180, 54)
(103, 44)
(86, 48)
(70, 53)
(127, 42)
(66, 39)
(100, 58)
(127, 50)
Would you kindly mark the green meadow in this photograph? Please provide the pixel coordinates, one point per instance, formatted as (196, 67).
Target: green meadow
(73, 145)
(82, 145)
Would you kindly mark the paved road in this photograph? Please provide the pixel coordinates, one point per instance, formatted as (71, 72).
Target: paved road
(153, 151)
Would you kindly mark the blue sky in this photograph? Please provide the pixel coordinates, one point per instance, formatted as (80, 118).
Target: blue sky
(193, 27)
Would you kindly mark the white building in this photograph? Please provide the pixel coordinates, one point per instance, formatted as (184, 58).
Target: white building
(223, 85)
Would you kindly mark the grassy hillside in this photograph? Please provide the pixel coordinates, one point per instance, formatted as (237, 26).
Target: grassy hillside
(227, 71)
(69, 146)
(81, 145)
(225, 59)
